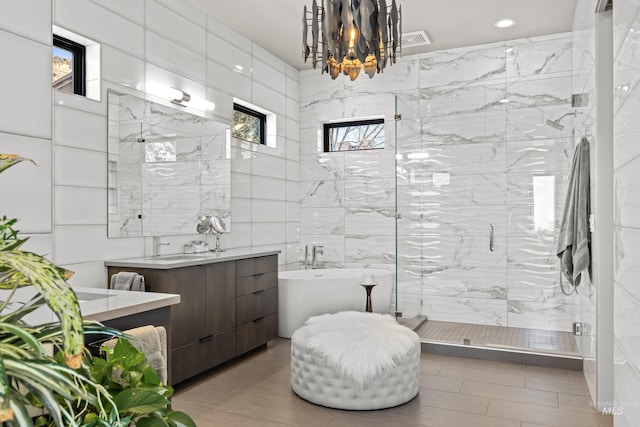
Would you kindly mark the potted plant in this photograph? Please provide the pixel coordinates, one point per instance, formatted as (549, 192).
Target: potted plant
(47, 367)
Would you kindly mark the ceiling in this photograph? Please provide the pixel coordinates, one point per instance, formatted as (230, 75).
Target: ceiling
(276, 24)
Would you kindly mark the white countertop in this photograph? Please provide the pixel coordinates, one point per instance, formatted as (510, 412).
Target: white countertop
(166, 262)
(98, 304)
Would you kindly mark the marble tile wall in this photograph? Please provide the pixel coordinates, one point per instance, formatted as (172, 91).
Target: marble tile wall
(168, 42)
(482, 156)
(626, 22)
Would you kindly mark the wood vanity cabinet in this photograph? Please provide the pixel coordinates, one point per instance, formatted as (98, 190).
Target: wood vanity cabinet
(256, 302)
(227, 308)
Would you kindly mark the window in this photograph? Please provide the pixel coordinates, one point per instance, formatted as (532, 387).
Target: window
(544, 202)
(248, 125)
(355, 135)
(68, 61)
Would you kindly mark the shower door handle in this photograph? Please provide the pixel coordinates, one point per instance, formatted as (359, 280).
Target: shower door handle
(492, 228)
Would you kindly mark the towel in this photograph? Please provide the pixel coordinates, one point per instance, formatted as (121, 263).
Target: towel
(152, 341)
(574, 239)
(128, 281)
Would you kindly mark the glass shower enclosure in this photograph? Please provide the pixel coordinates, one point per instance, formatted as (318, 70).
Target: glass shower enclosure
(478, 201)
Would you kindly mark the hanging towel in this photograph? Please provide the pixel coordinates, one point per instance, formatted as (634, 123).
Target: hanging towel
(574, 239)
(152, 341)
(128, 281)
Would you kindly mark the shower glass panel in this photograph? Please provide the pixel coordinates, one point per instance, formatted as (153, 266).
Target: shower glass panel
(409, 161)
(479, 195)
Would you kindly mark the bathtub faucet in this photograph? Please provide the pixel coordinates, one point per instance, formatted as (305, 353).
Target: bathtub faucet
(315, 251)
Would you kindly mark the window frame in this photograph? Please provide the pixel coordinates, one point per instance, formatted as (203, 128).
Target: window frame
(326, 127)
(253, 113)
(78, 72)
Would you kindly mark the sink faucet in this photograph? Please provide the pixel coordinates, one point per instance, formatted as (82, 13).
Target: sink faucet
(157, 242)
(315, 251)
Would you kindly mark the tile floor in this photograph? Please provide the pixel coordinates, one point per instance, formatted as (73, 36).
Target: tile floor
(255, 391)
(498, 337)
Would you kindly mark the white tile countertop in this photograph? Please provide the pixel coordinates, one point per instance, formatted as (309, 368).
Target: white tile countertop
(97, 304)
(166, 262)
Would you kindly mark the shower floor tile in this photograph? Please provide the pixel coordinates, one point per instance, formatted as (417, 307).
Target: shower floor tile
(500, 337)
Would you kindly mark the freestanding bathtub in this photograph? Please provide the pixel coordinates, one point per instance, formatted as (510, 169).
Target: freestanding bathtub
(306, 293)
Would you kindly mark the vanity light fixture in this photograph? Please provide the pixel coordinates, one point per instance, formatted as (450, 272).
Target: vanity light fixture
(178, 97)
(347, 36)
(504, 23)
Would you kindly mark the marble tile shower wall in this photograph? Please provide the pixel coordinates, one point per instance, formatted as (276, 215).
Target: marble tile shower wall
(164, 41)
(626, 31)
(483, 156)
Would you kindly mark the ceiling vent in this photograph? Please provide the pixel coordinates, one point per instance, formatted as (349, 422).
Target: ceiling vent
(415, 39)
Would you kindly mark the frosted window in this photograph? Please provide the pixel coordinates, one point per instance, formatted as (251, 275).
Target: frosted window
(544, 202)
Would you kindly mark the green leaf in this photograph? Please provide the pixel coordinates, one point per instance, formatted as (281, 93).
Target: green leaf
(126, 351)
(150, 376)
(180, 419)
(139, 401)
(151, 421)
(8, 160)
(9, 236)
(24, 335)
(50, 281)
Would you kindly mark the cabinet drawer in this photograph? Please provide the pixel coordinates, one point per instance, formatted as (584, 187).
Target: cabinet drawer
(259, 282)
(256, 305)
(197, 357)
(256, 333)
(252, 266)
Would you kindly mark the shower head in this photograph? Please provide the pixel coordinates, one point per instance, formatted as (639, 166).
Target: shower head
(555, 124)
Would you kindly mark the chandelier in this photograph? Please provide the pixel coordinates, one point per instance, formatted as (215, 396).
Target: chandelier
(355, 35)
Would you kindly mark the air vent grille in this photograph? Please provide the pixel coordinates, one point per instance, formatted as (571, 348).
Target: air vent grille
(415, 39)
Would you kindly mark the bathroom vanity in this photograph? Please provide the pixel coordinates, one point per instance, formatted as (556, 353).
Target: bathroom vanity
(229, 304)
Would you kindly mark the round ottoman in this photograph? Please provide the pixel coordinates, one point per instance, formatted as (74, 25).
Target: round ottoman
(353, 360)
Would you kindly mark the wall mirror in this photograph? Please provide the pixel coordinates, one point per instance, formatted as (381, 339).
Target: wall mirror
(166, 167)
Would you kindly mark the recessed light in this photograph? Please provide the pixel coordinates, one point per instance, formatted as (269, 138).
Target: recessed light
(504, 23)
(504, 100)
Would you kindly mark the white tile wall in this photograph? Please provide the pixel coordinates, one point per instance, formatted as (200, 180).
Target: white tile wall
(29, 111)
(169, 24)
(131, 9)
(79, 129)
(80, 206)
(121, 68)
(89, 243)
(28, 18)
(164, 41)
(80, 168)
(26, 187)
(224, 78)
(171, 56)
(98, 23)
(186, 10)
(626, 20)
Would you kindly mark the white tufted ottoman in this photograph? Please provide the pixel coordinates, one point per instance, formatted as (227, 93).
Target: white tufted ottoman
(354, 360)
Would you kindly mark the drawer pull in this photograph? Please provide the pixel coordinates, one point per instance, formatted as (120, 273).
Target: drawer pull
(259, 319)
(209, 338)
(258, 292)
